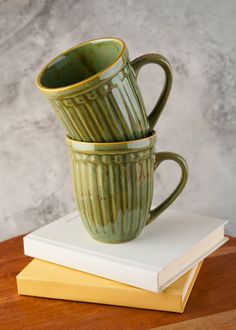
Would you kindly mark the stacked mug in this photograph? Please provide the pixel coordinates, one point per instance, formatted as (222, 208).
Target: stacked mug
(94, 92)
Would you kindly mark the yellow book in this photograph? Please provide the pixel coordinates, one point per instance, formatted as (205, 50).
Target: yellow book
(43, 279)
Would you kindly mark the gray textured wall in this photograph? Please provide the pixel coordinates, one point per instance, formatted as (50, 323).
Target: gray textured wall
(198, 37)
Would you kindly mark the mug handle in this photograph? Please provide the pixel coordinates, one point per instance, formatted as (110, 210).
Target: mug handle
(159, 158)
(163, 62)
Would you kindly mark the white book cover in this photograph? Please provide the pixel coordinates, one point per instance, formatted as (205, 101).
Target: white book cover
(164, 251)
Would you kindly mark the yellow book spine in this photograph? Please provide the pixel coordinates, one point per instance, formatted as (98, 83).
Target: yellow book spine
(35, 282)
(102, 295)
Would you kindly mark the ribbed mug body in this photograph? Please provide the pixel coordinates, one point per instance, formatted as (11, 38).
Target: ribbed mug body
(111, 111)
(113, 190)
(105, 107)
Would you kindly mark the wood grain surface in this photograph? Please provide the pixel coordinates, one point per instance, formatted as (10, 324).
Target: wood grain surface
(213, 293)
(224, 320)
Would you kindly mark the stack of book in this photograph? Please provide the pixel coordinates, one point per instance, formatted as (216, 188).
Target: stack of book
(155, 271)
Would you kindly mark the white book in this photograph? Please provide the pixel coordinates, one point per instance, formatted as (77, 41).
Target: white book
(164, 251)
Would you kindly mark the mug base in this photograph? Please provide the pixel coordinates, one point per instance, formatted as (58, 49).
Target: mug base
(113, 240)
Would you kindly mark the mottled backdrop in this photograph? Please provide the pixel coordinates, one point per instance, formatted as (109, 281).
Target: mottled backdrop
(199, 122)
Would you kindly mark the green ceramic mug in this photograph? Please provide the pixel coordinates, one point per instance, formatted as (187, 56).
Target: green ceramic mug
(93, 90)
(113, 186)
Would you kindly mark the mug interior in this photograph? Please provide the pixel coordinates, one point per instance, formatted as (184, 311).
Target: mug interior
(81, 63)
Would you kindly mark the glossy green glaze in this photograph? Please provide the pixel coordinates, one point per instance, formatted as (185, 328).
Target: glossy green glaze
(113, 186)
(94, 92)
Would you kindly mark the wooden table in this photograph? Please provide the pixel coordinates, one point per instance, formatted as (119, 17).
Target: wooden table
(212, 304)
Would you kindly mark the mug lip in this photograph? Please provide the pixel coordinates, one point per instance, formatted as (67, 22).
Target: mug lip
(83, 146)
(87, 80)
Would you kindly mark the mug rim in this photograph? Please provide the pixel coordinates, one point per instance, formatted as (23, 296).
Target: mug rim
(104, 146)
(87, 80)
